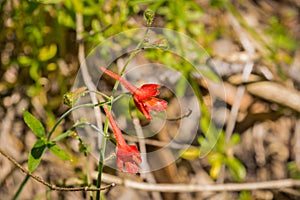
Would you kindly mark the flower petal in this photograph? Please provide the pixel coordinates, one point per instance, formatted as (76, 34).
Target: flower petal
(132, 168)
(146, 91)
(155, 104)
(129, 156)
(142, 108)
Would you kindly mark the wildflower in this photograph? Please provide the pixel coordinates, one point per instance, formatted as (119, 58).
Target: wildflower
(144, 96)
(127, 155)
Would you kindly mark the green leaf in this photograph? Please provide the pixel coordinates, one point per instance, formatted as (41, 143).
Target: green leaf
(34, 124)
(47, 52)
(236, 168)
(35, 155)
(24, 60)
(215, 170)
(190, 153)
(64, 135)
(58, 152)
(235, 139)
(65, 19)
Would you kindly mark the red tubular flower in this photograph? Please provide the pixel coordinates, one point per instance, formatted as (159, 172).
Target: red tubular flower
(144, 97)
(127, 155)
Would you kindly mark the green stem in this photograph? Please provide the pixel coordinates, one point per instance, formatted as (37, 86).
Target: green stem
(101, 94)
(105, 128)
(21, 187)
(68, 112)
(134, 52)
(101, 158)
(88, 179)
(81, 124)
(50, 134)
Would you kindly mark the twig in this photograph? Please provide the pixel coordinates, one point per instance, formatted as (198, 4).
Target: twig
(158, 143)
(181, 117)
(296, 148)
(52, 186)
(276, 184)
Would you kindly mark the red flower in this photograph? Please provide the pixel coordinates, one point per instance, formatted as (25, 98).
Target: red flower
(144, 97)
(127, 155)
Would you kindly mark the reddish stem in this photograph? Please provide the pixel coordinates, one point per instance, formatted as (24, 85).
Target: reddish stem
(115, 128)
(124, 82)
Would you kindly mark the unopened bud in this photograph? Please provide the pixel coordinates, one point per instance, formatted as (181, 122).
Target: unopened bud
(149, 16)
(70, 98)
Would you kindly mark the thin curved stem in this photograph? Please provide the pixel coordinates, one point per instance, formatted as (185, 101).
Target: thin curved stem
(68, 112)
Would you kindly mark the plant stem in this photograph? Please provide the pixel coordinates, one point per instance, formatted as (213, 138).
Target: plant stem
(21, 187)
(68, 112)
(133, 53)
(105, 128)
(50, 134)
(101, 158)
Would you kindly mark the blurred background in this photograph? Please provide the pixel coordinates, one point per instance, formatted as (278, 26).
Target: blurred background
(254, 46)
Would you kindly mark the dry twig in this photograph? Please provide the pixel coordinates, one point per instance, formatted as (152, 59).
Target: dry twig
(276, 184)
(49, 185)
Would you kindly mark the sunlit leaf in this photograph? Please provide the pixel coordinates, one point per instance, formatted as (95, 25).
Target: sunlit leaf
(215, 170)
(47, 52)
(24, 60)
(58, 152)
(34, 124)
(34, 71)
(190, 153)
(235, 139)
(35, 155)
(236, 168)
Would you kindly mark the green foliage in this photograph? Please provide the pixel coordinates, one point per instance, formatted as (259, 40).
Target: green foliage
(35, 155)
(294, 170)
(190, 153)
(280, 38)
(40, 146)
(40, 34)
(245, 195)
(47, 52)
(58, 151)
(222, 154)
(34, 124)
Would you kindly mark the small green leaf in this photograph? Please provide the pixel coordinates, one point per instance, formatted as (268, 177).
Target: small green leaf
(235, 139)
(47, 52)
(215, 170)
(190, 153)
(35, 155)
(64, 135)
(58, 152)
(25, 60)
(34, 124)
(236, 168)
